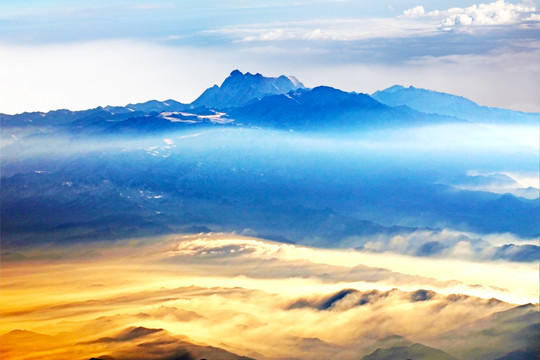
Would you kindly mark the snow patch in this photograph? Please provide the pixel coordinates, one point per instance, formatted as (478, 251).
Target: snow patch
(168, 116)
(216, 117)
(295, 81)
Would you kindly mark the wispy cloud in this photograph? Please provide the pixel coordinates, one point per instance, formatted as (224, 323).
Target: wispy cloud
(413, 22)
(326, 30)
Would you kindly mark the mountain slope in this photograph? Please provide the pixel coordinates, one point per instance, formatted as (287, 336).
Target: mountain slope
(130, 343)
(502, 335)
(326, 108)
(414, 351)
(429, 101)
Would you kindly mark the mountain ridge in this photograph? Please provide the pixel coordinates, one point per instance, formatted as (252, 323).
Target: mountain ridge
(273, 101)
(435, 102)
(239, 89)
(327, 108)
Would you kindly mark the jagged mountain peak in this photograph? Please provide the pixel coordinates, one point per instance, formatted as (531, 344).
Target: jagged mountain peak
(394, 88)
(238, 89)
(236, 72)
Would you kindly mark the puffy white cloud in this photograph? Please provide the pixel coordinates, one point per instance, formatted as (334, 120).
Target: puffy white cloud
(416, 11)
(495, 13)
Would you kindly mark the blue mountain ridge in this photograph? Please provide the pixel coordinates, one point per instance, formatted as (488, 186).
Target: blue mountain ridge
(329, 109)
(239, 89)
(433, 102)
(276, 102)
(230, 179)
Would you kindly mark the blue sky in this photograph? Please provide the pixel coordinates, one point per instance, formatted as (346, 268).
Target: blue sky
(80, 54)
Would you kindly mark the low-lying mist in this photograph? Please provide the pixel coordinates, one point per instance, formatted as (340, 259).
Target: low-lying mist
(439, 153)
(322, 190)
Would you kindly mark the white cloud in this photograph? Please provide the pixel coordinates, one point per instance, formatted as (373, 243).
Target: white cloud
(416, 11)
(495, 13)
(462, 250)
(533, 17)
(413, 22)
(274, 35)
(518, 184)
(328, 29)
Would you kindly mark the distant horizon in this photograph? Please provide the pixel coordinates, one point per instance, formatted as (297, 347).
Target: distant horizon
(60, 54)
(82, 108)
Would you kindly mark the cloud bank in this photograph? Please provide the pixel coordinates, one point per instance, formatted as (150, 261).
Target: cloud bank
(247, 296)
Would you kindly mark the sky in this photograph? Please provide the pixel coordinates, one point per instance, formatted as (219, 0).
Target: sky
(82, 54)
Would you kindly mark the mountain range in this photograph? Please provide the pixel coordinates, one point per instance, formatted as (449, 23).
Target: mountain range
(132, 342)
(269, 157)
(276, 103)
(504, 335)
(387, 181)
